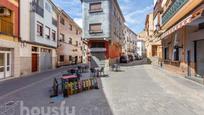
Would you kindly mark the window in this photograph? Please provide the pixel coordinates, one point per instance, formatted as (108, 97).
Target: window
(98, 45)
(39, 29)
(176, 54)
(70, 26)
(47, 32)
(61, 37)
(53, 35)
(70, 40)
(47, 7)
(61, 58)
(77, 43)
(70, 58)
(34, 49)
(95, 28)
(77, 32)
(62, 21)
(95, 7)
(166, 53)
(201, 26)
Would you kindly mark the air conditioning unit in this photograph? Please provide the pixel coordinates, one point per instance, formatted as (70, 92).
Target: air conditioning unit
(5, 12)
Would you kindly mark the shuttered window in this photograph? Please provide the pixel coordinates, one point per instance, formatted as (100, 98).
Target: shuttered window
(95, 28)
(47, 32)
(39, 29)
(95, 7)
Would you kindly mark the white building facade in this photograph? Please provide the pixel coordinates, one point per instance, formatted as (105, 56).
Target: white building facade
(38, 35)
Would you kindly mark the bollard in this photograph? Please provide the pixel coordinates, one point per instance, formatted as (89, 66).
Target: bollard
(79, 86)
(96, 83)
(203, 79)
(84, 85)
(87, 85)
(69, 89)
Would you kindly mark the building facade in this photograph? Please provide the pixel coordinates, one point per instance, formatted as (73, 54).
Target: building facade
(85, 52)
(70, 42)
(183, 36)
(141, 49)
(130, 42)
(38, 34)
(103, 24)
(9, 37)
(153, 43)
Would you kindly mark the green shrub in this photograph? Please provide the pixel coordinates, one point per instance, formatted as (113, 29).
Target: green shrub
(149, 61)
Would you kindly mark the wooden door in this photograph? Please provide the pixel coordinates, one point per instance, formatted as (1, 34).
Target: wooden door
(34, 62)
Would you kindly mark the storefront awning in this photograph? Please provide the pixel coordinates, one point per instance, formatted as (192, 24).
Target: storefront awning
(177, 26)
(195, 17)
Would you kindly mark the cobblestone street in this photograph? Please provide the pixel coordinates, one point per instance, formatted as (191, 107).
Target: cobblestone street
(142, 90)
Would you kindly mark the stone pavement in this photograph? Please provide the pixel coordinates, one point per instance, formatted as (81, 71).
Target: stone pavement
(145, 90)
(136, 90)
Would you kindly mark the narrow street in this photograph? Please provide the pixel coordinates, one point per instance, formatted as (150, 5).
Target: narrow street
(141, 89)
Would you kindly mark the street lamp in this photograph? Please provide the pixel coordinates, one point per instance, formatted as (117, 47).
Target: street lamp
(157, 27)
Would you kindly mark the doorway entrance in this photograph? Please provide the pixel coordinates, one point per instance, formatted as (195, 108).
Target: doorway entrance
(154, 50)
(76, 59)
(34, 62)
(200, 57)
(5, 64)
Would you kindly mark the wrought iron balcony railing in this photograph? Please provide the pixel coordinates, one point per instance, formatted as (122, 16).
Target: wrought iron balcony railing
(173, 9)
(6, 27)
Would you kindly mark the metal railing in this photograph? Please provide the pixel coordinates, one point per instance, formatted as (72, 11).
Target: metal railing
(6, 27)
(38, 9)
(173, 9)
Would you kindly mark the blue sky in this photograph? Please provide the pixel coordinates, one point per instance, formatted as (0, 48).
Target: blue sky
(134, 11)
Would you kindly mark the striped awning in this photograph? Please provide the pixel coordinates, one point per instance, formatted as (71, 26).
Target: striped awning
(199, 12)
(177, 26)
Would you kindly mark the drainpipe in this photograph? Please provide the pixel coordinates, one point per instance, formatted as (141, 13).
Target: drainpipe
(58, 33)
(19, 35)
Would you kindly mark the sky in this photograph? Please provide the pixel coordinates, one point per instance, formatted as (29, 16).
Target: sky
(134, 11)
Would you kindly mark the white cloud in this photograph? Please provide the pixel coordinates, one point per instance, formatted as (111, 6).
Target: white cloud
(78, 21)
(143, 11)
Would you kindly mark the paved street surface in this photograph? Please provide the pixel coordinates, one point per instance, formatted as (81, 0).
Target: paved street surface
(136, 90)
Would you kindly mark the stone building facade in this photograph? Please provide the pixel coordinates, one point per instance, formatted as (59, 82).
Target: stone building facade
(130, 42)
(70, 44)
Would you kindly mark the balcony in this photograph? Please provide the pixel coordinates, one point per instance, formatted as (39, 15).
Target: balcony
(6, 27)
(98, 49)
(173, 9)
(38, 9)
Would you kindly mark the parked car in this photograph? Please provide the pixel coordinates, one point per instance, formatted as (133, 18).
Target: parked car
(138, 57)
(131, 57)
(124, 59)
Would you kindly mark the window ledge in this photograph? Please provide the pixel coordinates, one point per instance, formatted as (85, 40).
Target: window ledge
(96, 11)
(95, 32)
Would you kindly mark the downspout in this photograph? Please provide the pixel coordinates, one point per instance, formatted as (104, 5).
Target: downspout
(58, 34)
(19, 34)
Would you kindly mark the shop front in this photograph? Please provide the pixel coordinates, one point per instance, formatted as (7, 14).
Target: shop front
(183, 45)
(5, 63)
(196, 42)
